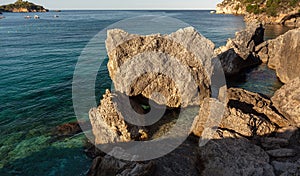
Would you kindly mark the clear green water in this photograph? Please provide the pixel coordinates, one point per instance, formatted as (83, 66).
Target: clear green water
(37, 61)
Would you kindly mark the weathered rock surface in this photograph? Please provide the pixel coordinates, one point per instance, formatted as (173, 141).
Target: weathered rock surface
(287, 168)
(227, 155)
(108, 123)
(140, 65)
(283, 55)
(256, 104)
(287, 101)
(238, 53)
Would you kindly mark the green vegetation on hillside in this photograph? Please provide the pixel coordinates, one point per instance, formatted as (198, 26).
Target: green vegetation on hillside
(22, 4)
(270, 7)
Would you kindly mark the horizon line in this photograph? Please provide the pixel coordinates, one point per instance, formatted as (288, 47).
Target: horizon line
(135, 9)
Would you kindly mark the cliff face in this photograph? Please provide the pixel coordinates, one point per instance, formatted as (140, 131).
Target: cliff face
(285, 12)
(22, 6)
(231, 7)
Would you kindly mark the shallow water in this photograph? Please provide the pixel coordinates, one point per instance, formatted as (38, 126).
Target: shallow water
(37, 63)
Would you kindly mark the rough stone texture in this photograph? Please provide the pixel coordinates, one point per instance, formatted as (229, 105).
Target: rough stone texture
(283, 55)
(246, 124)
(287, 168)
(108, 165)
(123, 47)
(257, 105)
(239, 52)
(182, 161)
(108, 124)
(287, 101)
(207, 118)
(226, 155)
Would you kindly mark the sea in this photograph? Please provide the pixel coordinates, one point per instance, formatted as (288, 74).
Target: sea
(38, 58)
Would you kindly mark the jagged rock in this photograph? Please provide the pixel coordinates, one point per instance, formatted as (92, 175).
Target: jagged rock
(282, 54)
(250, 114)
(282, 152)
(234, 156)
(257, 104)
(239, 52)
(108, 124)
(193, 65)
(287, 101)
(246, 124)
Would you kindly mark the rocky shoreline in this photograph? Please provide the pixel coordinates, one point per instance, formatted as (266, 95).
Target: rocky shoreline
(275, 12)
(257, 135)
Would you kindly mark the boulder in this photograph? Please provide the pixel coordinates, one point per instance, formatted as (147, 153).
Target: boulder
(287, 101)
(238, 53)
(283, 55)
(231, 154)
(167, 65)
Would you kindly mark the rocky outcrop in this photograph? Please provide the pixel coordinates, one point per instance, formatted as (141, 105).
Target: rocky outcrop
(238, 53)
(253, 136)
(282, 54)
(231, 7)
(287, 101)
(139, 65)
(22, 6)
(267, 12)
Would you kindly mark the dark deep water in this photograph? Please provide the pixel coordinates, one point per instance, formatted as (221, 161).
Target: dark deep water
(37, 62)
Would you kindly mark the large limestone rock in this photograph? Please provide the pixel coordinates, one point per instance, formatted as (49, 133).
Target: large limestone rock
(287, 101)
(283, 55)
(231, 154)
(140, 65)
(239, 52)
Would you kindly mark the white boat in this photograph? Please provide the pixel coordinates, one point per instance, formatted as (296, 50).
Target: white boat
(36, 17)
(27, 17)
(55, 16)
(212, 12)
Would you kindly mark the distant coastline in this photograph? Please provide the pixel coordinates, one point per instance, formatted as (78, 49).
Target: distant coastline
(21, 6)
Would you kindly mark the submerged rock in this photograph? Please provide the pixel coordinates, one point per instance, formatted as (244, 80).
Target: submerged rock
(287, 101)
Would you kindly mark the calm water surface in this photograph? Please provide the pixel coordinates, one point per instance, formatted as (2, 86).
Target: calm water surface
(37, 63)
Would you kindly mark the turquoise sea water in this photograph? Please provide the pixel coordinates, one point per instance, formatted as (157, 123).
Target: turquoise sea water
(37, 62)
